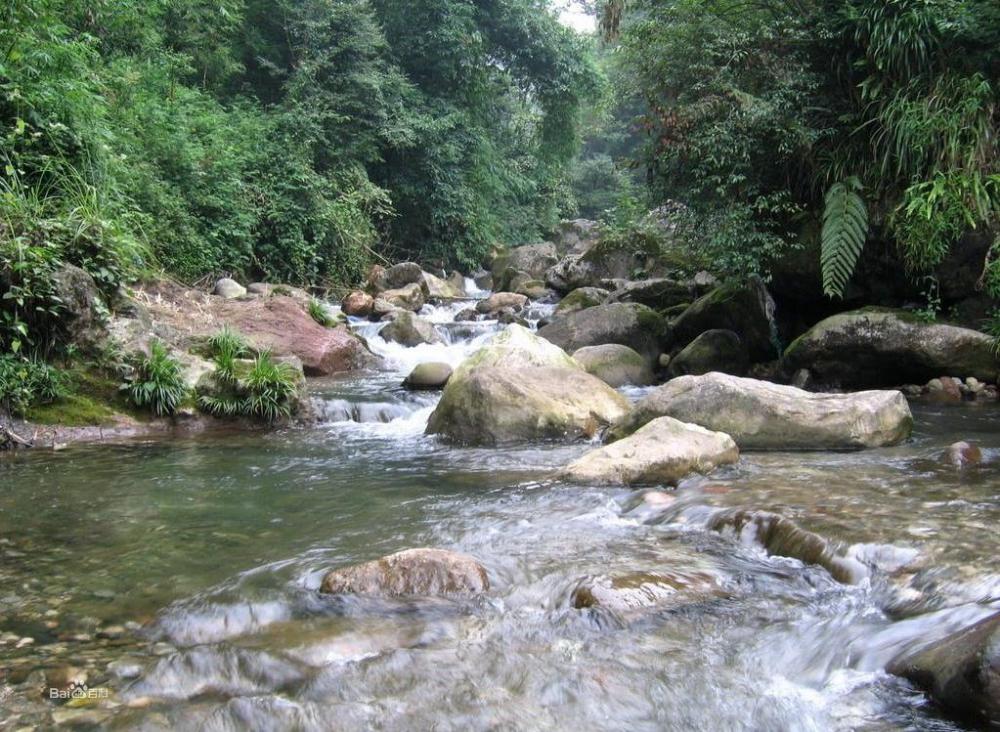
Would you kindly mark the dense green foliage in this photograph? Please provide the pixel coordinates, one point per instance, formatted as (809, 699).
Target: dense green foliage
(25, 382)
(158, 384)
(285, 139)
(754, 111)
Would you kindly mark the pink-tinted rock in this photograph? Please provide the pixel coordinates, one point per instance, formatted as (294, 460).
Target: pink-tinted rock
(358, 303)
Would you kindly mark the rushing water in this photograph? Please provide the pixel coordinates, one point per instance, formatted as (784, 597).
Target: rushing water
(183, 578)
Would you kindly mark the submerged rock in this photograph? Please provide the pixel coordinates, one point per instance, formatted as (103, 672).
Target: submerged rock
(614, 364)
(432, 375)
(746, 310)
(713, 350)
(880, 347)
(626, 594)
(412, 572)
(410, 330)
(663, 451)
(521, 387)
(963, 455)
(760, 415)
(636, 326)
(961, 672)
(782, 537)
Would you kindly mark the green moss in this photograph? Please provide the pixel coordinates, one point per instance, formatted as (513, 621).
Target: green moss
(74, 410)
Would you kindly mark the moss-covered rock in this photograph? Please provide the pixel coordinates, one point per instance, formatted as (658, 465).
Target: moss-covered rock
(882, 347)
(713, 350)
(410, 330)
(636, 326)
(614, 364)
(744, 308)
(582, 298)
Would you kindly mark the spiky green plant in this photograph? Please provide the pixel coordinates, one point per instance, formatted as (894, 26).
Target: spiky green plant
(265, 392)
(226, 347)
(845, 228)
(319, 313)
(158, 385)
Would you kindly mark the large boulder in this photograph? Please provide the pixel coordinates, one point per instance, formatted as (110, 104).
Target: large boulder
(282, 325)
(520, 387)
(760, 415)
(431, 375)
(411, 573)
(403, 274)
(614, 364)
(229, 289)
(358, 303)
(880, 347)
(575, 236)
(657, 292)
(580, 299)
(409, 297)
(663, 451)
(410, 330)
(82, 308)
(961, 672)
(713, 350)
(747, 310)
(601, 263)
(636, 326)
(439, 289)
(532, 260)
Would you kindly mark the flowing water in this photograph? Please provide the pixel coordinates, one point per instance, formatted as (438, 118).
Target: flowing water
(182, 577)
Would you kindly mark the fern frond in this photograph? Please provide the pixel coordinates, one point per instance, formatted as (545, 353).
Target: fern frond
(845, 229)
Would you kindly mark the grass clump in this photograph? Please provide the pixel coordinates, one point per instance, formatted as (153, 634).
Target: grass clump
(158, 384)
(319, 313)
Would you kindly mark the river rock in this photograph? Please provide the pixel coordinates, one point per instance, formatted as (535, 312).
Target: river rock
(575, 236)
(500, 300)
(410, 330)
(745, 309)
(409, 297)
(520, 387)
(604, 261)
(656, 292)
(229, 289)
(400, 275)
(963, 455)
(532, 260)
(483, 279)
(760, 415)
(282, 325)
(412, 572)
(614, 364)
(580, 298)
(961, 672)
(784, 538)
(359, 304)
(532, 289)
(438, 289)
(713, 350)
(663, 451)
(636, 326)
(626, 594)
(432, 375)
(880, 347)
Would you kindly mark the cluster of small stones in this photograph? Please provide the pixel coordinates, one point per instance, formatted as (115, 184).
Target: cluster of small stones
(954, 389)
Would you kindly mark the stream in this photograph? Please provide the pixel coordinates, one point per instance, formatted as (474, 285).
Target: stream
(182, 577)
